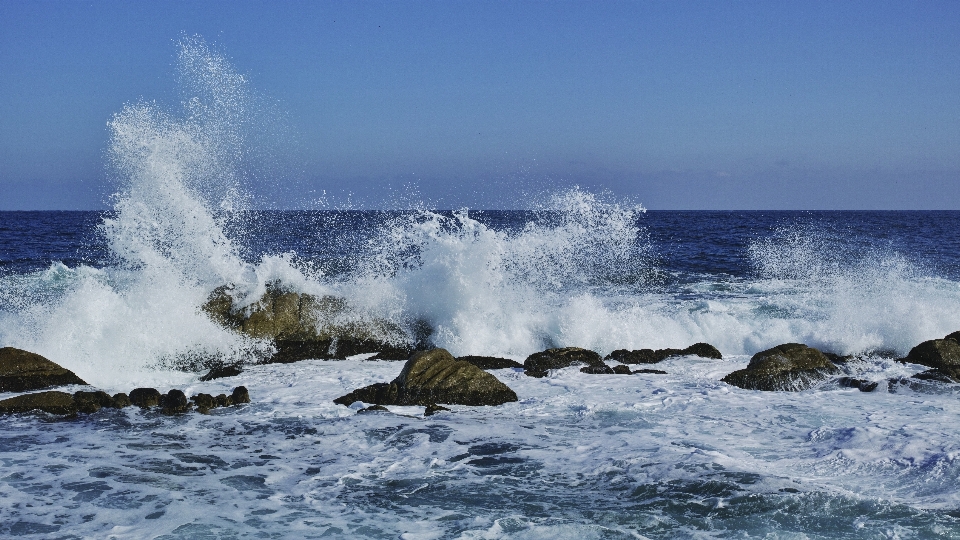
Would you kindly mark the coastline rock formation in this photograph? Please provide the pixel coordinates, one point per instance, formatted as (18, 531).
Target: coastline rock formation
(432, 377)
(304, 326)
(83, 401)
(539, 363)
(22, 371)
(941, 355)
(787, 367)
(650, 356)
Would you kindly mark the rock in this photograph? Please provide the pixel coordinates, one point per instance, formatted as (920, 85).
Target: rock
(433, 409)
(490, 362)
(936, 353)
(435, 377)
(373, 409)
(289, 351)
(945, 375)
(52, 402)
(174, 402)
(219, 372)
(650, 356)
(204, 402)
(621, 369)
(650, 371)
(91, 402)
(240, 395)
(22, 371)
(145, 397)
(223, 400)
(598, 370)
(860, 384)
(538, 364)
(954, 336)
(788, 367)
(121, 400)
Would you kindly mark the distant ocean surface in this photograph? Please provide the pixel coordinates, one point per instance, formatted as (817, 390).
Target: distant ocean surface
(117, 298)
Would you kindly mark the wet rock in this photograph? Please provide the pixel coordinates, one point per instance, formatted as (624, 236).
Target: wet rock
(145, 397)
(291, 350)
(650, 371)
(598, 370)
(650, 356)
(52, 402)
(22, 371)
(204, 402)
(121, 400)
(223, 400)
(490, 362)
(240, 395)
(219, 372)
(91, 402)
(954, 336)
(433, 409)
(860, 384)
(788, 367)
(373, 409)
(947, 375)
(621, 369)
(435, 377)
(174, 402)
(538, 364)
(936, 353)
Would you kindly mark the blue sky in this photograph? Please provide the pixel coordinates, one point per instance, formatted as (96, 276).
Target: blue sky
(678, 105)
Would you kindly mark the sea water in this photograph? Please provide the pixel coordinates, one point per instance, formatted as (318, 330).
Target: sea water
(116, 297)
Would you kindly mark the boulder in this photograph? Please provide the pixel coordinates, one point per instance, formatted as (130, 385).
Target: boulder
(91, 402)
(204, 402)
(51, 401)
(936, 353)
(538, 364)
(223, 400)
(121, 400)
(789, 367)
(650, 356)
(240, 395)
(621, 369)
(221, 371)
(490, 362)
(22, 371)
(174, 402)
(431, 377)
(145, 397)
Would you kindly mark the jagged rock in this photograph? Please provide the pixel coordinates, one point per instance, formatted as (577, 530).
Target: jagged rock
(650, 371)
(650, 356)
(174, 402)
(433, 409)
(538, 364)
(790, 367)
(91, 402)
(22, 371)
(936, 353)
(490, 362)
(860, 384)
(944, 375)
(121, 400)
(52, 402)
(145, 397)
(219, 372)
(598, 370)
(435, 377)
(240, 395)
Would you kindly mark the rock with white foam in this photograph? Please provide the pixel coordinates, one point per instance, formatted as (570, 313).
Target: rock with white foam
(787, 367)
(22, 371)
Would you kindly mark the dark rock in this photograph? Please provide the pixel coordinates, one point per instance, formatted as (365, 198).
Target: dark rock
(598, 370)
(703, 350)
(944, 375)
(435, 377)
(91, 402)
(121, 400)
(490, 362)
(21, 371)
(788, 367)
(174, 402)
(219, 372)
(240, 395)
(860, 384)
(836, 358)
(433, 409)
(223, 400)
(650, 356)
(954, 336)
(373, 409)
(52, 402)
(650, 371)
(204, 402)
(935, 353)
(621, 369)
(336, 349)
(538, 364)
(145, 397)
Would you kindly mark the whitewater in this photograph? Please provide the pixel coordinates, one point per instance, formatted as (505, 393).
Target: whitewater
(117, 298)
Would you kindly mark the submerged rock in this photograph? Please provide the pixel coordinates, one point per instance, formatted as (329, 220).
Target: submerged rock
(51, 401)
(789, 367)
(433, 409)
(598, 370)
(650, 356)
(490, 362)
(621, 369)
(650, 371)
(373, 409)
(22, 371)
(860, 384)
(221, 371)
(538, 364)
(431, 377)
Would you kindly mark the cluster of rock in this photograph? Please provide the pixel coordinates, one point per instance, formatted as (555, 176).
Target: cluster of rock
(540, 363)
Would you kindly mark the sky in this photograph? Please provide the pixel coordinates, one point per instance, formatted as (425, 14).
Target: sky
(672, 104)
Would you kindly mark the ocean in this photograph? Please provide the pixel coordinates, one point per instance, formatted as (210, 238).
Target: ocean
(116, 297)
